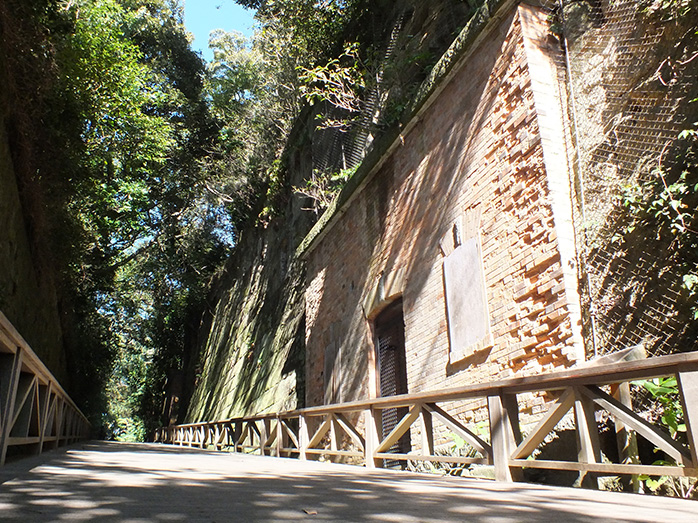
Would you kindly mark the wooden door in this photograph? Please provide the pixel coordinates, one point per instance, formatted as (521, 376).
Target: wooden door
(392, 372)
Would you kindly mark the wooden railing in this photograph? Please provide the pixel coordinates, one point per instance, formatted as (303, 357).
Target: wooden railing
(353, 430)
(35, 412)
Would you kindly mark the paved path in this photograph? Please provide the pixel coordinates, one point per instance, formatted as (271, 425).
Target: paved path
(145, 483)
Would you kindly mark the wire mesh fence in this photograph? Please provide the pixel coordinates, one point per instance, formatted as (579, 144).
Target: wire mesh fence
(631, 79)
(407, 40)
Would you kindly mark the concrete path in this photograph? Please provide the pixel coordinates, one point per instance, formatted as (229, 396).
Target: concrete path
(144, 483)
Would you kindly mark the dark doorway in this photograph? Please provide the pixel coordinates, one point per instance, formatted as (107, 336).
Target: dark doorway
(392, 372)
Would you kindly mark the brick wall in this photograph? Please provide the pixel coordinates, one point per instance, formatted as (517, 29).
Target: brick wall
(477, 147)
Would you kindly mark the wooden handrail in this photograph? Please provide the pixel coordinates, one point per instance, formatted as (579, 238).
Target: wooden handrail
(319, 430)
(601, 375)
(35, 411)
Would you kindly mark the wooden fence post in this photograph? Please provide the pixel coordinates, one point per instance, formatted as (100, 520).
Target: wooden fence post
(225, 431)
(626, 440)
(303, 437)
(589, 449)
(280, 437)
(504, 434)
(688, 386)
(371, 421)
(427, 428)
(237, 434)
(264, 434)
(216, 436)
(10, 366)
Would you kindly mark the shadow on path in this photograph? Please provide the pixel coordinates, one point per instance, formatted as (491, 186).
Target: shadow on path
(145, 482)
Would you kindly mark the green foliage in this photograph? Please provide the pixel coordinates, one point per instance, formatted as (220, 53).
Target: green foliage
(690, 284)
(234, 76)
(687, 134)
(323, 188)
(145, 163)
(667, 9)
(121, 134)
(107, 86)
(251, 119)
(661, 202)
(665, 392)
(315, 27)
(666, 204)
(339, 82)
(256, 89)
(456, 446)
(137, 92)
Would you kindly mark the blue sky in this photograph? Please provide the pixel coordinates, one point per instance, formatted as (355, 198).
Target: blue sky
(203, 16)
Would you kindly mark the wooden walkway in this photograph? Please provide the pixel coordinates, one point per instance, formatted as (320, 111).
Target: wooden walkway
(102, 481)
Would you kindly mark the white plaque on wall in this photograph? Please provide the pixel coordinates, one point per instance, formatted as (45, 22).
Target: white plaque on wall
(466, 299)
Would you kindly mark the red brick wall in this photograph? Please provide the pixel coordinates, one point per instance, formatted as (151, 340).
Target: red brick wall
(477, 146)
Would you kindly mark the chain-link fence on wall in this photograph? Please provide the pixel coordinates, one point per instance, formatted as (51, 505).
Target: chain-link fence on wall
(631, 68)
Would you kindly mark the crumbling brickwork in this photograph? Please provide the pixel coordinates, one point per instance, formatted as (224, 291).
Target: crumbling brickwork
(477, 149)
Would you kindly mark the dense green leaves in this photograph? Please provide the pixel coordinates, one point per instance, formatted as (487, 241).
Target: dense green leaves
(123, 134)
(151, 162)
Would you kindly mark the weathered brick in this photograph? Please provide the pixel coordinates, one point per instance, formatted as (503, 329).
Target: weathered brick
(445, 167)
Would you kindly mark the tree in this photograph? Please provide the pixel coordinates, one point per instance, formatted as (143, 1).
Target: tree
(121, 129)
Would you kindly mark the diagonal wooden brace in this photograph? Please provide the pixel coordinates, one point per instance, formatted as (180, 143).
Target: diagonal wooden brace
(638, 424)
(555, 413)
(461, 430)
(402, 427)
